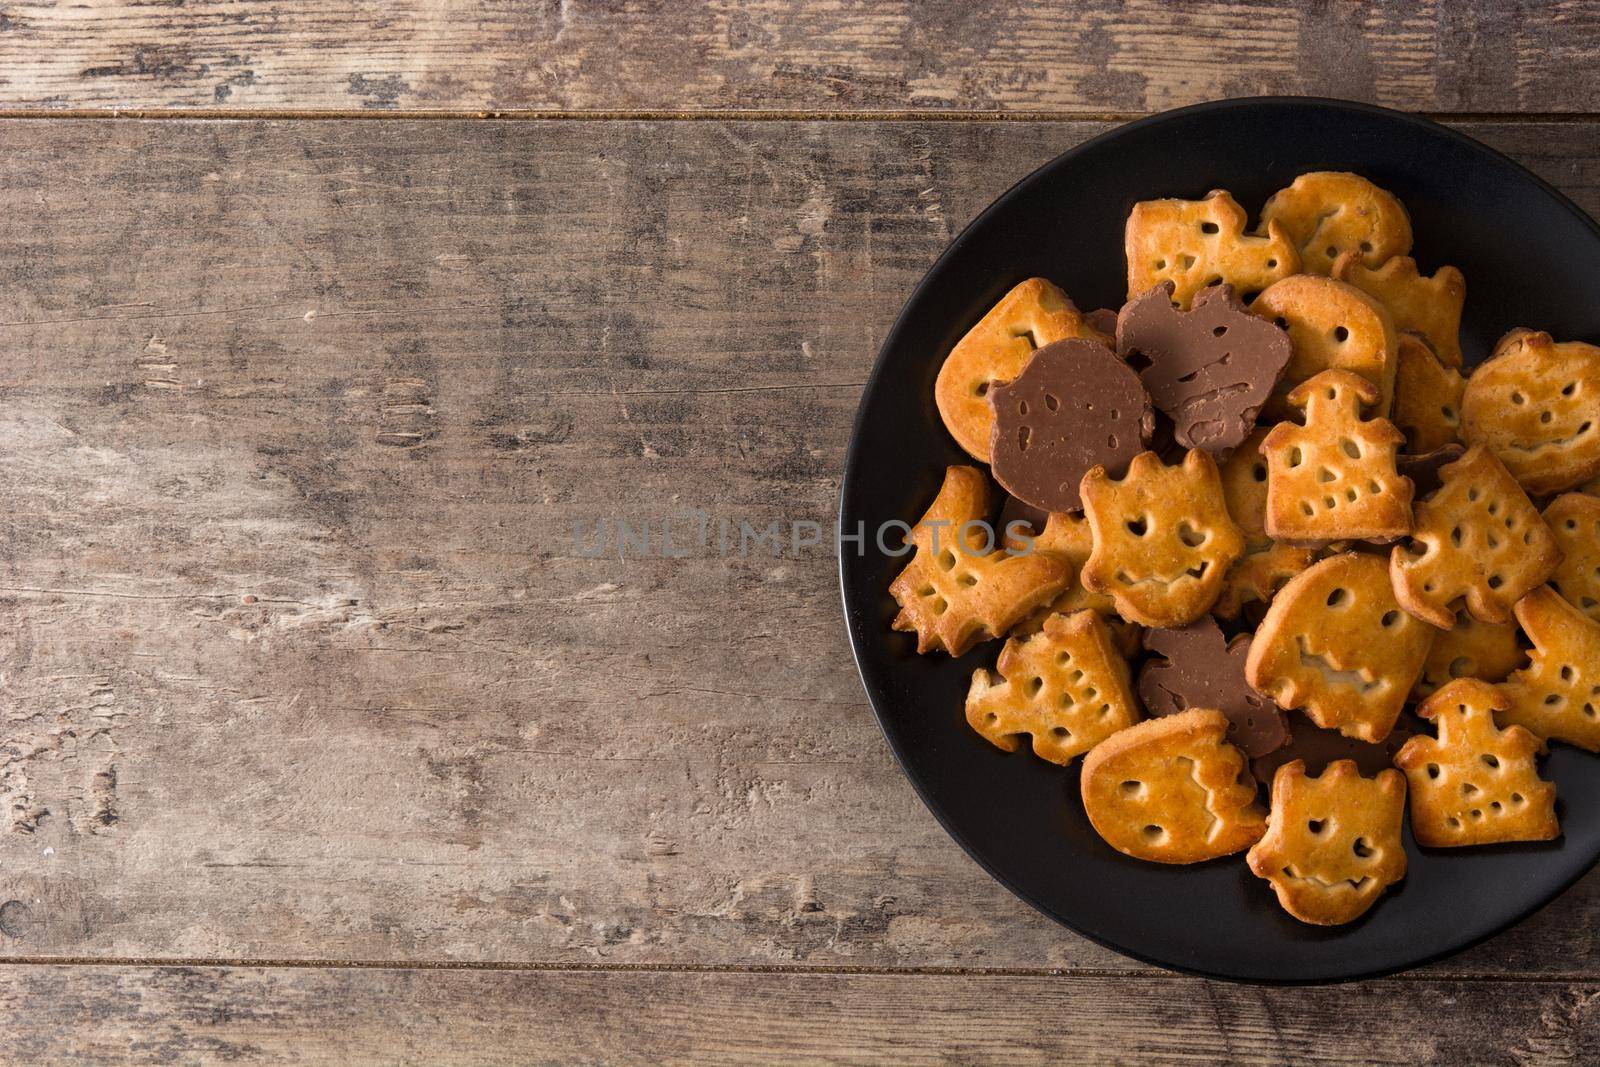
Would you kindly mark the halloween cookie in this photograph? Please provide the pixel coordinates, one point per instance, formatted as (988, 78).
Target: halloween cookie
(1029, 317)
(959, 589)
(1065, 686)
(1476, 537)
(1332, 326)
(1196, 667)
(1332, 844)
(1335, 644)
(1430, 306)
(1536, 405)
(1475, 784)
(1208, 369)
(1162, 538)
(1325, 213)
(1075, 406)
(1200, 243)
(1427, 397)
(1172, 790)
(1069, 536)
(1471, 648)
(1266, 564)
(1574, 520)
(1334, 479)
(1557, 696)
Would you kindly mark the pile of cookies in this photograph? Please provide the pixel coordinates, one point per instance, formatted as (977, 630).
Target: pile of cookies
(1252, 519)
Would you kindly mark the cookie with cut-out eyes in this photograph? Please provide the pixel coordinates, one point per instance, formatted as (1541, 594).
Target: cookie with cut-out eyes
(1075, 406)
(1427, 397)
(1334, 478)
(1574, 520)
(1557, 696)
(1475, 784)
(1335, 644)
(1332, 844)
(1332, 326)
(1032, 315)
(959, 587)
(1208, 369)
(1536, 404)
(1429, 306)
(1325, 213)
(1199, 243)
(1318, 748)
(1472, 648)
(1162, 538)
(1066, 686)
(1196, 667)
(1172, 790)
(1477, 537)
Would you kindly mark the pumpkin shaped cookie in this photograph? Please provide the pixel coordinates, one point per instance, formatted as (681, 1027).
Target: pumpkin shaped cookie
(1536, 405)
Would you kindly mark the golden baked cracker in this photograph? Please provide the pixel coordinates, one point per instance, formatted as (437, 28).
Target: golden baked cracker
(1427, 397)
(1327, 212)
(1574, 519)
(1244, 487)
(1198, 243)
(1334, 478)
(1069, 536)
(1332, 844)
(1332, 326)
(1258, 575)
(1066, 686)
(1032, 315)
(1472, 648)
(1335, 644)
(959, 590)
(1475, 784)
(1537, 405)
(1430, 306)
(1163, 540)
(1171, 790)
(1557, 696)
(1478, 537)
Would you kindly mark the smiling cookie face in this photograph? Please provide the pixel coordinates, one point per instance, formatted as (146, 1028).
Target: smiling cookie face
(1333, 842)
(1536, 405)
(1336, 644)
(1326, 213)
(1163, 539)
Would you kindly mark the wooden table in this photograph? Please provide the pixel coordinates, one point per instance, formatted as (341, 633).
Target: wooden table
(322, 326)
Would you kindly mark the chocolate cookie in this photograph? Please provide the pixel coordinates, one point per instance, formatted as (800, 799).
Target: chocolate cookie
(1204, 670)
(1319, 747)
(1074, 406)
(1210, 368)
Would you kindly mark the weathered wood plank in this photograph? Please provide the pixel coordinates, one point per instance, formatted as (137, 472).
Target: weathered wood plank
(314, 1015)
(297, 656)
(842, 55)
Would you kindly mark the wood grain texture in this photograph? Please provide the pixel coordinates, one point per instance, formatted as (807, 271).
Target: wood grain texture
(1096, 57)
(331, 1016)
(298, 657)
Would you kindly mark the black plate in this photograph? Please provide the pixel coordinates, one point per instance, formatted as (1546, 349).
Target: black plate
(1530, 257)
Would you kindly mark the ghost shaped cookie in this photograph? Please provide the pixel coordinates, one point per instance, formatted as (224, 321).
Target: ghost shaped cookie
(1196, 667)
(1162, 538)
(1427, 397)
(959, 587)
(1557, 696)
(1471, 648)
(1336, 645)
(1326, 213)
(1429, 306)
(1065, 686)
(1199, 243)
(1172, 790)
(1208, 369)
(1332, 844)
(1574, 520)
(1477, 537)
(1334, 479)
(1075, 406)
(1536, 405)
(1332, 326)
(1029, 317)
(1475, 784)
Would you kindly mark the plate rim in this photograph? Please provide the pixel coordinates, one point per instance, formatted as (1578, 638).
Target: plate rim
(853, 460)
